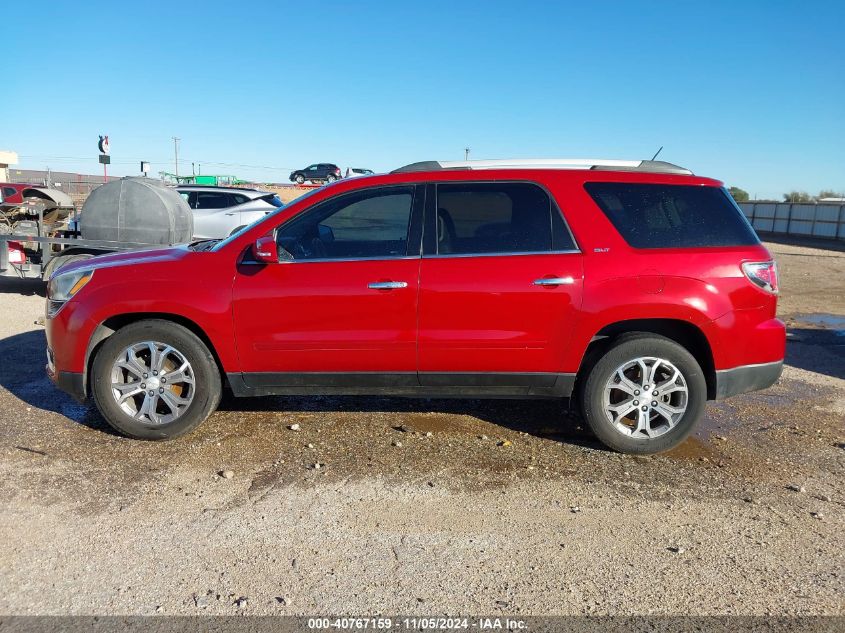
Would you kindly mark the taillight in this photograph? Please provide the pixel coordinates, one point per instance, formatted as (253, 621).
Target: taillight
(763, 275)
(16, 254)
(337, 171)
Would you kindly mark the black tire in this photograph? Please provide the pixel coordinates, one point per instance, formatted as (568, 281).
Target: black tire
(206, 375)
(331, 178)
(300, 179)
(625, 349)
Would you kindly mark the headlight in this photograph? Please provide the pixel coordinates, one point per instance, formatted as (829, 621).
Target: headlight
(63, 286)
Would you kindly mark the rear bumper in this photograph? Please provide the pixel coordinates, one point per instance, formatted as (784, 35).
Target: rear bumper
(745, 378)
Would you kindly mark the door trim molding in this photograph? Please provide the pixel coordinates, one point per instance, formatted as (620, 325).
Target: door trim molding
(405, 384)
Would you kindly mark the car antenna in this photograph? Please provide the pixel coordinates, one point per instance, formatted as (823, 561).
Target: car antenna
(657, 152)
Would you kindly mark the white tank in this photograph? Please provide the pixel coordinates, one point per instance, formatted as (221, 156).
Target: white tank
(136, 210)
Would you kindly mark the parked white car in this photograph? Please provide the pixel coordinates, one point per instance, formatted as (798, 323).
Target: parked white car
(221, 211)
(352, 172)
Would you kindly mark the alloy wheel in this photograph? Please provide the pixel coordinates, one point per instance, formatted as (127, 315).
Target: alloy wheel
(152, 382)
(645, 397)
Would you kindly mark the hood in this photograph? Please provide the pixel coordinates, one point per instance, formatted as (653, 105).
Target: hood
(125, 258)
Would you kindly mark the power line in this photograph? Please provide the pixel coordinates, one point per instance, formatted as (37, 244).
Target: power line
(163, 160)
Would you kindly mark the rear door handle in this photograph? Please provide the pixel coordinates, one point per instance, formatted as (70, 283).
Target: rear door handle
(386, 285)
(554, 281)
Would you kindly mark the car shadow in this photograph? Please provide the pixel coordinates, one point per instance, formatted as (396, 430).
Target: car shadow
(22, 374)
(557, 420)
(25, 287)
(818, 350)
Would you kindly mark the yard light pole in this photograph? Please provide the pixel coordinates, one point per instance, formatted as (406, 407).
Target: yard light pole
(466, 153)
(176, 153)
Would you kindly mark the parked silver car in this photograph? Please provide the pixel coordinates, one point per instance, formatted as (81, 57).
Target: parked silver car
(353, 172)
(220, 211)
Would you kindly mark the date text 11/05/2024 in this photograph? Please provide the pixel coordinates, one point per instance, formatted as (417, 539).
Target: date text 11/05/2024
(417, 623)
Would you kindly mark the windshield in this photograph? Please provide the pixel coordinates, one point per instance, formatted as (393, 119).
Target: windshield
(235, 235)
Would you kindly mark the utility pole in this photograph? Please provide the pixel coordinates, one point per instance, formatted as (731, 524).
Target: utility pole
(466, 153)
(176, 152)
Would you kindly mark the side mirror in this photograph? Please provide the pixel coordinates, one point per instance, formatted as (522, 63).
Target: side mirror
(265, 250)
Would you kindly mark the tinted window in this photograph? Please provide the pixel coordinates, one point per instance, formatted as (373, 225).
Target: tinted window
(672, 216)
(239, 198)
(495, 218)
(212, 200)
(371, 223)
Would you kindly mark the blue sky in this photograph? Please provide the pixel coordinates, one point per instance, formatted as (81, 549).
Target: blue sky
(749, 92)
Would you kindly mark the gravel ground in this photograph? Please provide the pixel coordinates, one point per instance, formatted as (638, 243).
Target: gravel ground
(416, 508)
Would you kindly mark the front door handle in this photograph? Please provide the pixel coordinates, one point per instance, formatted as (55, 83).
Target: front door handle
(554, 281)
(386, 285)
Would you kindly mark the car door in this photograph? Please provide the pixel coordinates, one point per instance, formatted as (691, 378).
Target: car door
(341, 310)
(213, 215)
(312, 172)
(500, 284)
(243, 210)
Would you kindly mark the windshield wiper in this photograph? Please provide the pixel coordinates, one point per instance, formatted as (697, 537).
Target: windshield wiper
(203, 245)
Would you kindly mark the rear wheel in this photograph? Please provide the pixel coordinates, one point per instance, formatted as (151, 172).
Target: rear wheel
(645, 395)
(331, 178)
(155, 380)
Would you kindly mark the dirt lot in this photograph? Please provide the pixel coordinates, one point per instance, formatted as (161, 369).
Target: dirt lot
(746, 517)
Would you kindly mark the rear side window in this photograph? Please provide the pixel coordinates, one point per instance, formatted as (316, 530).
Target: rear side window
(672, 216)
(478, 218)
(212, 200)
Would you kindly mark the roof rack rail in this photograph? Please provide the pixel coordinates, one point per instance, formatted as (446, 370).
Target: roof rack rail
(653, 166)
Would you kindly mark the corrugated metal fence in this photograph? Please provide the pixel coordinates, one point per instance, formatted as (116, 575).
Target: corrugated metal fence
(794, 218)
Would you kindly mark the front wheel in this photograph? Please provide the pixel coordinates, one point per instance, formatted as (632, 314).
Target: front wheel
(645, 395)
(300, 179)
(155, 380)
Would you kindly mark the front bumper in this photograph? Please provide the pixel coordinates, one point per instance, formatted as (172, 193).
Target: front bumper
(70, 382)
(745, 378)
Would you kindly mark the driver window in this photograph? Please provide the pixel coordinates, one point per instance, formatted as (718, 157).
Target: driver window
(372, 224)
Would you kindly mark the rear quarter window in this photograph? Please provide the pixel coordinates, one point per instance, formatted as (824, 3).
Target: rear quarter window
(672, 216)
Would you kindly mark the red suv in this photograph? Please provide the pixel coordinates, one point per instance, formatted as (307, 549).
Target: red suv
(634, 286)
